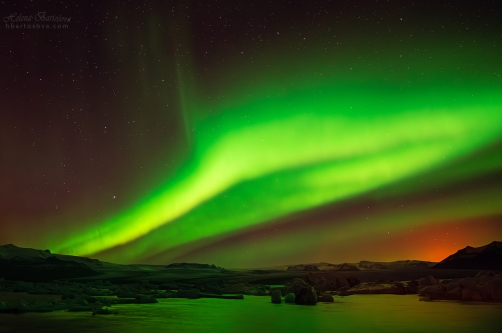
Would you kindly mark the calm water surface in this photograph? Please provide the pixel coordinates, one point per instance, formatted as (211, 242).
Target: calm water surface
(358, 313)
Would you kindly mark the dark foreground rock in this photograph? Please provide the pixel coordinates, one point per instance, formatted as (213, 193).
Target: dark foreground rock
(289, 298)
(304, 293)
(306, 296)
(327, 281)
(276, 297)
(427, 281)
(325, 298)
(397, 288)
(486, 286)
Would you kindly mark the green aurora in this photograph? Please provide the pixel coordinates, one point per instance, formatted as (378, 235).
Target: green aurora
(280, 139)
(280, 155)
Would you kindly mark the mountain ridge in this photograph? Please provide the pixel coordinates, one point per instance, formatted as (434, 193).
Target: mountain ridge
(488, 256)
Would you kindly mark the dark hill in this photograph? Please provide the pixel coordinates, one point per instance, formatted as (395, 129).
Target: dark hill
(17, 263)
(484, 257)
(42, 270)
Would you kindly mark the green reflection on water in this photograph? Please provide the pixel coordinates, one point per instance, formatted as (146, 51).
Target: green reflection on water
(359, 313)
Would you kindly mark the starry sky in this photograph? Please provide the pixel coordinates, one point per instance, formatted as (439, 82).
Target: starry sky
(251, 134)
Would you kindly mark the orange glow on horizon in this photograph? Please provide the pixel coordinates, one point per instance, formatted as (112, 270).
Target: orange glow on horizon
(437, 242)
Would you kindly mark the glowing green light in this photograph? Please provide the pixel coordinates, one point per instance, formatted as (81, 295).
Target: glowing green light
(322, 146)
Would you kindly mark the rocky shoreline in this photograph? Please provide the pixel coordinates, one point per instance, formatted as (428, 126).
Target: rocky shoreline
(97, 296)
(38, 281)
(486, 286)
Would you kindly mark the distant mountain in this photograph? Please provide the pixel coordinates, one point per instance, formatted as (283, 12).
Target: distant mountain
(393, 265)
(484, 257)
(185, 265)
(362, 265)
(302, 267)
(347, 267)
(17, 263)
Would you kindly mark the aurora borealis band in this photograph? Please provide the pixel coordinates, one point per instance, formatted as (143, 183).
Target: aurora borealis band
(253, 135)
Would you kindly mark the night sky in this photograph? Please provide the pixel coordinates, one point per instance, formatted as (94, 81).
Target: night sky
(251, 133)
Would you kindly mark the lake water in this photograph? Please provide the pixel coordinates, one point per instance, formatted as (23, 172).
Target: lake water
(358, 313)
